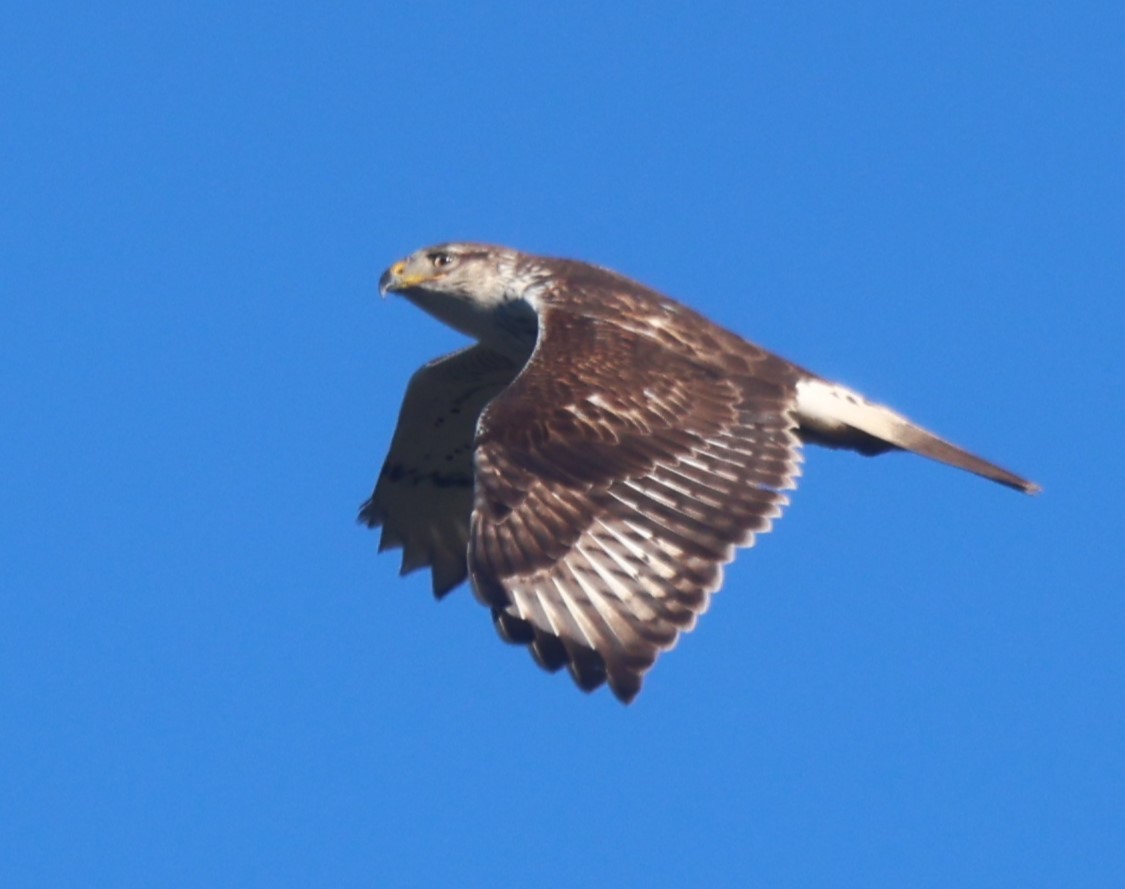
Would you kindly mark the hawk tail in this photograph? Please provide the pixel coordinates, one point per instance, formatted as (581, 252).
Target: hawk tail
(835, 416)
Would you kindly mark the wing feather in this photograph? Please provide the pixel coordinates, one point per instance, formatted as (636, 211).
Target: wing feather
(614, 478)
(424, 495)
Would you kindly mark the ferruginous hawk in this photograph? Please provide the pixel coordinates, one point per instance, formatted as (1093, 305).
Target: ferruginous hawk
(592, 462)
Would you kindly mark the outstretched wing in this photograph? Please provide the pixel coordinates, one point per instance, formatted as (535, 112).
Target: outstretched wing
(425, 490)
(614, 478)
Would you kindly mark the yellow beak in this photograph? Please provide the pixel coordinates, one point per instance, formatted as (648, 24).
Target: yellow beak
(395, 279)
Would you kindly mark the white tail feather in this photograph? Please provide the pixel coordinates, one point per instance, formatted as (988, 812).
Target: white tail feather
(836, 416)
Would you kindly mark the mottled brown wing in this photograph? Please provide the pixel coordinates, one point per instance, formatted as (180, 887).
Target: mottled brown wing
(614, 478)
(425, 491)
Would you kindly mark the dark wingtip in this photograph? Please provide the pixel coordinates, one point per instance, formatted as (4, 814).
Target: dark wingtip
(625, 685)
(369, 514)
(443, 586)
(586, 667)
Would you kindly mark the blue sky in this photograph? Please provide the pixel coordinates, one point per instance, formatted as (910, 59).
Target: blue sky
(207, 674)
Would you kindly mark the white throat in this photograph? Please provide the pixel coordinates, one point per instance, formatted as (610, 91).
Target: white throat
(509, 327)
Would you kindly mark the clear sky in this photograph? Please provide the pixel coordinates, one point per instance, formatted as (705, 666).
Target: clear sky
(209, 677)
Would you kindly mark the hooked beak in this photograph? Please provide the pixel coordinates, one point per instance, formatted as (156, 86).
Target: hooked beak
(390, 278)
(395, 279)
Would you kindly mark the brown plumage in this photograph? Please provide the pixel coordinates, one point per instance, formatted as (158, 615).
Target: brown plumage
(594, 461)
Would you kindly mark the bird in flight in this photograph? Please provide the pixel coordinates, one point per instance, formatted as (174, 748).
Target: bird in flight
(594, 459)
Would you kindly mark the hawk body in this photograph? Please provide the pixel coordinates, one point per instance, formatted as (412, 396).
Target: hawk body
(593, 462)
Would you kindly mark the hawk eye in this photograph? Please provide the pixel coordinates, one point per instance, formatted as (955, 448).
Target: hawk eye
(441, 259)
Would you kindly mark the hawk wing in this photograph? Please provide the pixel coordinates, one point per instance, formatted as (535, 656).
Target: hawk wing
(614, 478)
(425, 490)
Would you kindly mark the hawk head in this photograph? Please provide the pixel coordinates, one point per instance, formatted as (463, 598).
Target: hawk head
(476, 273)
(478, 289)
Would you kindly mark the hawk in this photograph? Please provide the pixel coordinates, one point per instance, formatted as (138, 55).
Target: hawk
(594, 460)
